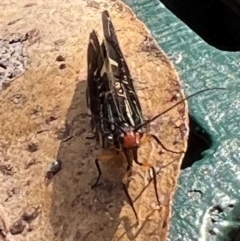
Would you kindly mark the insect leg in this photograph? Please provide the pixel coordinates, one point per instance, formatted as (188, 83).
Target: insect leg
(130, 200)
(160, 143)
(99, 173)
(146, 164)
(125, 181)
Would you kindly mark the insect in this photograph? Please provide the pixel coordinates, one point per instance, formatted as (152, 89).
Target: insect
(116, 114)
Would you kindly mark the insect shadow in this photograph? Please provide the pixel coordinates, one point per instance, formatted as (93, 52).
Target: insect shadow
(78, 211)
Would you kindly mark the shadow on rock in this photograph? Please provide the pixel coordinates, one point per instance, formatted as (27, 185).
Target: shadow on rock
(78, 212)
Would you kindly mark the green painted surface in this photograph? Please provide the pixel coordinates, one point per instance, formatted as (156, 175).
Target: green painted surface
(207, 203)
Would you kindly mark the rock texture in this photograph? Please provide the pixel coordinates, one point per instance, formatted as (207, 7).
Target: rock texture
(46, 162)
(12, 60)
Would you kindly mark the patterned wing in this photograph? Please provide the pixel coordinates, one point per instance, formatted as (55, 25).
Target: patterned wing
(93, 79)
(126, 110)
(95, 87)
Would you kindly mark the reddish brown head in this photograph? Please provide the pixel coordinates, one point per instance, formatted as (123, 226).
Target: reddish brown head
(131, 139)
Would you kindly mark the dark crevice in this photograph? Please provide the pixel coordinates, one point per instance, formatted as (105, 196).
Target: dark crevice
(212, 20)
(236, 235)
(198, 142)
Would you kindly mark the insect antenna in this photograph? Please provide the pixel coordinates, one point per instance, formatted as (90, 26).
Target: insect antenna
(181, 101)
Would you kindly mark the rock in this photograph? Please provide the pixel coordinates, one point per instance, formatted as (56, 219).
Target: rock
(3, 228)
(32, 147)
(93, 4)
(6, 169)
(62, 66)
(12, 58)
(30, 213)
(17, 227)
(67, 31)
(53, 169)
(60, 58)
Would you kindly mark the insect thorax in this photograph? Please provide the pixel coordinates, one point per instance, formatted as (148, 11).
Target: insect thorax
(120, 140)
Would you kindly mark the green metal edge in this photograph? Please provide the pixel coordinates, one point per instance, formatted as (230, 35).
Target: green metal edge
(207, 202)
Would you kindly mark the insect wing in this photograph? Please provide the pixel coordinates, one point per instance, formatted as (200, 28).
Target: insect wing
(94, 87)
(98, 90)
(129, 111)
(111, 38)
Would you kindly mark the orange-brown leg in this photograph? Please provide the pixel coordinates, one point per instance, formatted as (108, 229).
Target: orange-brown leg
(160, 143)
(105, 156)
(146, 164)
(125, 182)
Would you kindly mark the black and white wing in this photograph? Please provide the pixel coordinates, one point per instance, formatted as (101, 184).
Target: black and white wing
(125, 106)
